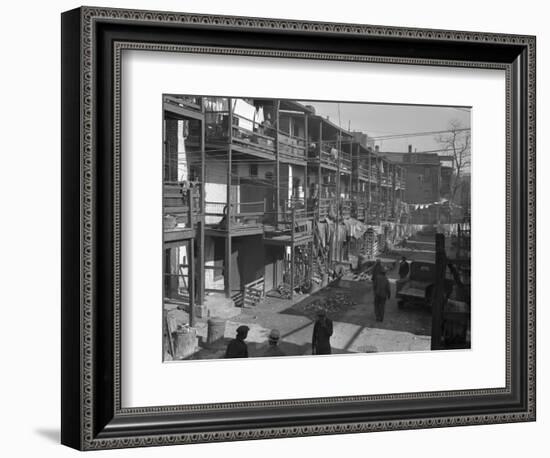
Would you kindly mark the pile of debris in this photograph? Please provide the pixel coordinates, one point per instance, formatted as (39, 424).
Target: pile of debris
(284, 290)
(333, 303)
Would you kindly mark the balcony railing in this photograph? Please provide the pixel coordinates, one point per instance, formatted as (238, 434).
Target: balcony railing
(245, 133)
(346, 207)
(294, 224)
(235, 215)
(189, 102)
(345, 161)
(181, 205)
(178, 287)
(361, 170)
(292, 147)
(327, 207)
(328, 153)
(400, 183)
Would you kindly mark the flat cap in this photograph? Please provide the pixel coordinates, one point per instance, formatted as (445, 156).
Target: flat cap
(242, 329)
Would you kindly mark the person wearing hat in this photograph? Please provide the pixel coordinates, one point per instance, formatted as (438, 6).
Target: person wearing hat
(273, 348)
(381, 293)
(403, 268)
(322, 330)
(237, 348)
(376, 269)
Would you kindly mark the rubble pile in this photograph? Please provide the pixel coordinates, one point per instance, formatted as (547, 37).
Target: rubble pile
(332, 303)
(284, 290)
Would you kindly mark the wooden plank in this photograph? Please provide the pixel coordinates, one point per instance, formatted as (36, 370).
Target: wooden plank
(176, 209)
(438, 299)
(182, 112)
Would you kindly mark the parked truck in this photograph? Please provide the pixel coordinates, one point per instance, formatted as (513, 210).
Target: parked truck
(417, 289)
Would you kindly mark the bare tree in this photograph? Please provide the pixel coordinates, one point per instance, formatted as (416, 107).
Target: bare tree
(457, 143)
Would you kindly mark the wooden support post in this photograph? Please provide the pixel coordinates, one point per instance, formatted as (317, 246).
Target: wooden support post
(380, 189)
(393, 189)
(277, 171)
(320, 171)
(338, 194)
(292, 259)
(191, 285)
(229, 214)
(201, 280)
(191, 260)
(306, 146)
(170, 340)
(438, 295)
(369, 198)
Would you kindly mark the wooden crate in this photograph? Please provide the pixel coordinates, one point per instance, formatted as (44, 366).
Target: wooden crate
(253, 292)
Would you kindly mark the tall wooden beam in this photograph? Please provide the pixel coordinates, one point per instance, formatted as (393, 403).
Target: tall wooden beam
(277, 171)
(369, 197)
(393, 191)
(229, 213)
(306, 176)
(200, 261)
(320, 172)
(191, 283)
(338, 179)
(292, 257)
(438, 296)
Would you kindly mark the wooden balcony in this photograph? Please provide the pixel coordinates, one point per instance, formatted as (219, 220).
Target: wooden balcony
(292, 149)
(360, 171)
(235, 219)
(181, 206)
(327, 207)
(345, 162)
(247, 136)
(346, 207)
(294, 227)
(359, 206)
(325, 153)
(186, 106)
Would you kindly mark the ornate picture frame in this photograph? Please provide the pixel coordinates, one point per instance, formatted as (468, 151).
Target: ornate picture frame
(92, 42)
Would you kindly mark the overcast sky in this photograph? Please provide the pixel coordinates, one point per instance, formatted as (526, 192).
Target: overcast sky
(379, 120)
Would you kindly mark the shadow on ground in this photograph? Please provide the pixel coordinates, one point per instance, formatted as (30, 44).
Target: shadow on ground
(353, 302)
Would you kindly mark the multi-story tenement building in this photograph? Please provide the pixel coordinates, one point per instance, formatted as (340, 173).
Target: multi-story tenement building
(248, 184)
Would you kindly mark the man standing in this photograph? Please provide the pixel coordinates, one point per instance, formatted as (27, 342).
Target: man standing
(237, 348)
(381, 293)
(403, 268)
(322, 330)
(273, 349)
(377, 268)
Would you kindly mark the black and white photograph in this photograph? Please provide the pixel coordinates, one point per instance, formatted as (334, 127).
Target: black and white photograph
(275, 229)
(306, 227)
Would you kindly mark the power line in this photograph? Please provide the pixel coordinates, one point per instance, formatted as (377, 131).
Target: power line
(419, 134)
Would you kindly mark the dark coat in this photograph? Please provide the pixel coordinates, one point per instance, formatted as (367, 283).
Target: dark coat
(273, 350)
(403, 269)
(236, 349)
(322, 330)
(376, 271)
(382, 287)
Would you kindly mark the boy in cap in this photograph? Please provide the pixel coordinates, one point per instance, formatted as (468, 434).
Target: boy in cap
(403, 268)
(273, 349)
(237, 348)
